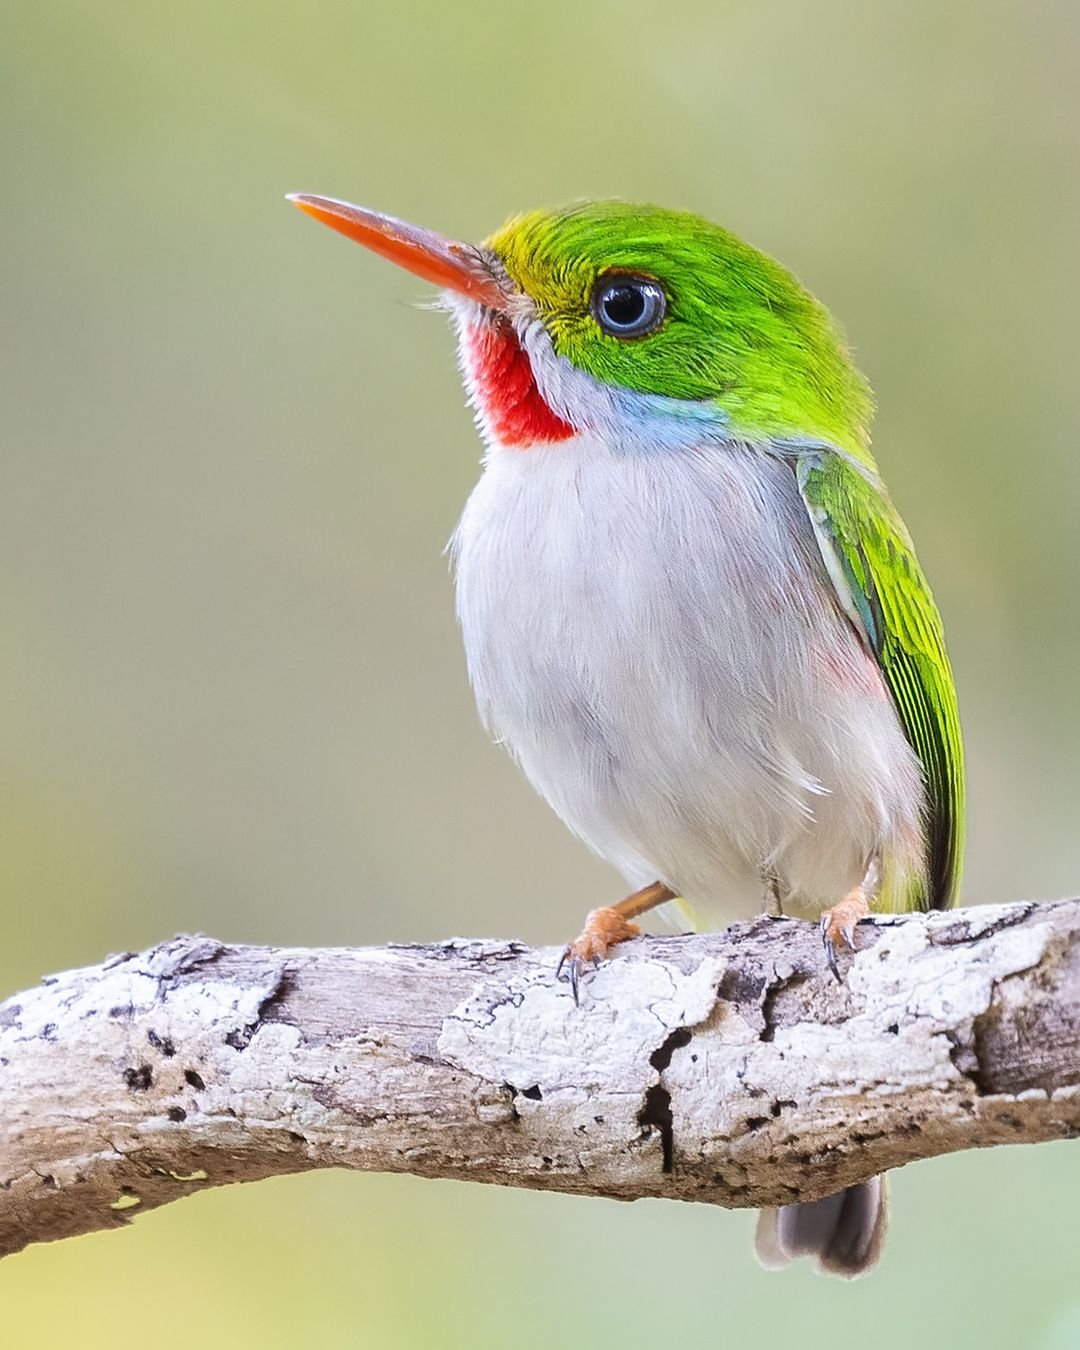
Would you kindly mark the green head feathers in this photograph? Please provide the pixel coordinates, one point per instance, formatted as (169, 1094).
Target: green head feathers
(738, 329)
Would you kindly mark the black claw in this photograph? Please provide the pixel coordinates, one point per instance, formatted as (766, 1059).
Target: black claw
(571, 963)
(830, 955)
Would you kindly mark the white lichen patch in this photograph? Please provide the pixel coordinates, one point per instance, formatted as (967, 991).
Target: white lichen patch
(938, 988)
(530, 1032)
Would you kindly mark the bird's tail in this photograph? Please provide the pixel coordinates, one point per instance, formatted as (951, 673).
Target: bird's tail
(844, 1232)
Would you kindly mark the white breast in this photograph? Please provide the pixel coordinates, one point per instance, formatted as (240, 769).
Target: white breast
(654, 638)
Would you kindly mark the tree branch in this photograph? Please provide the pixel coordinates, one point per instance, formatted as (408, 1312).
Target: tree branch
(729, 1068)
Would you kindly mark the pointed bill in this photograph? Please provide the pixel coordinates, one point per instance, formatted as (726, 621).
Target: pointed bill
(445, 262)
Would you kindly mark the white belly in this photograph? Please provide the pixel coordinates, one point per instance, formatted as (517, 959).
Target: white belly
(656, 641)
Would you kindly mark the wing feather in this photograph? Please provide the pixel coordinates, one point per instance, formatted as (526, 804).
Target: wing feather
(871, 560)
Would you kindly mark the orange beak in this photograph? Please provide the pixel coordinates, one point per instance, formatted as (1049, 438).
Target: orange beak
(446, 263)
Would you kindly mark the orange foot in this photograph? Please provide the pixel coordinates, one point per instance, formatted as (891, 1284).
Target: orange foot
(838, 925)
(604, 928)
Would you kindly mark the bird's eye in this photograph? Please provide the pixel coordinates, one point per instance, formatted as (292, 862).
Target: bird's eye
(627, 306)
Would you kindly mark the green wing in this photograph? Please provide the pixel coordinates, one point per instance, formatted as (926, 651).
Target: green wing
(870, 557)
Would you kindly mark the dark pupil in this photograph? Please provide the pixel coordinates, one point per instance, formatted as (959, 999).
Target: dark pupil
(623, 306)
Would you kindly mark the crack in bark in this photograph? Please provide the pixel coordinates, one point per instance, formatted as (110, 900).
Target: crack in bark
(241, 1037)
(975, 929)
(655, 1113)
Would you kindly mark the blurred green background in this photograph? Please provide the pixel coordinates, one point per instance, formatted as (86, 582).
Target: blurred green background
(232, 690)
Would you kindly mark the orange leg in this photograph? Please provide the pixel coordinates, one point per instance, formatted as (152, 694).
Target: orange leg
(607, 926)
(838, 924)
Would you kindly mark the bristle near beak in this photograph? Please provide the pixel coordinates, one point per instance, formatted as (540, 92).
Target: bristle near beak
(445, 262)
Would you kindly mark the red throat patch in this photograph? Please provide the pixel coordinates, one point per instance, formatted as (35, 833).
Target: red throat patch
(506, 389)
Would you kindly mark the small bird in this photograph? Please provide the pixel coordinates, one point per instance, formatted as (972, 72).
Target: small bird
(690, 609)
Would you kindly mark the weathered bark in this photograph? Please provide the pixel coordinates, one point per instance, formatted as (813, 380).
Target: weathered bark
(729, 1068)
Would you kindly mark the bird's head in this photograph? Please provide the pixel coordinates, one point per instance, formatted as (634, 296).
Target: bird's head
(634, 323)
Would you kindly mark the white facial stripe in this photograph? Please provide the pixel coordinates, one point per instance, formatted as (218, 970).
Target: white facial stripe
(624, 419)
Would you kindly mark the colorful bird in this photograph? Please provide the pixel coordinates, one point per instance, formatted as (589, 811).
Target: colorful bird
(690, 609)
